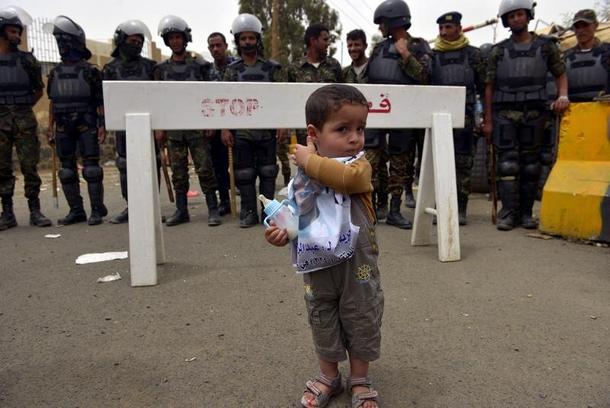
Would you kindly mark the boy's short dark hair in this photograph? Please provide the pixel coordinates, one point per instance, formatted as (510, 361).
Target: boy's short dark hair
(329, 99)
(313, 31)
(356, 34)
(217, 34)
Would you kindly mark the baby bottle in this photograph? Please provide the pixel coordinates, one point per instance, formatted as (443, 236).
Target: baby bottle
(282, 215)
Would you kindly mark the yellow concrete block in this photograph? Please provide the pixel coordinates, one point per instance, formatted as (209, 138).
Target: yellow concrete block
(576, 198)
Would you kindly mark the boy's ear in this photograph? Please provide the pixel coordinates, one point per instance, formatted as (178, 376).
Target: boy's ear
(313, 133)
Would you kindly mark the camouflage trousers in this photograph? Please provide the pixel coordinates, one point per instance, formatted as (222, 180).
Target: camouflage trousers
(463, 171)
(18, 128)
(180, 143)
(383, 181)
(282, 155)
(464, 148)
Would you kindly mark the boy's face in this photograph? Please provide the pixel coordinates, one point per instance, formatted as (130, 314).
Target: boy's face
(343, 133)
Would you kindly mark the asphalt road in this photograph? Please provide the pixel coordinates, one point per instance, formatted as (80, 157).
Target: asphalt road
(519, 322)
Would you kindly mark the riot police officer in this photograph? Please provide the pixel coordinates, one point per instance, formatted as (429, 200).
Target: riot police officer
(588, 62)
(76, 120)
(398, 59)
(127, 65)
(255, 150)
(516, 112)
(20, 88)
(456, 63)
(184, 66)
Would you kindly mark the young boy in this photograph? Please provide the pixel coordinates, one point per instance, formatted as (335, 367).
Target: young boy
(344, 300)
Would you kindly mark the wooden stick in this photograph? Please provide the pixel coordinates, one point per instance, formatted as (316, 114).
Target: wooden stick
(233, 194)
(168, 183)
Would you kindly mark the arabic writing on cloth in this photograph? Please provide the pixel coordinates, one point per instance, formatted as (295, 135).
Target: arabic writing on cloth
(326, 234)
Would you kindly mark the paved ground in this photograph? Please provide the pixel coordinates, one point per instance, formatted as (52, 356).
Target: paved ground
(519, 322)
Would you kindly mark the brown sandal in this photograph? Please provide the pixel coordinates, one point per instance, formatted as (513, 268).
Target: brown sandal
(322, 400)
(358, 400)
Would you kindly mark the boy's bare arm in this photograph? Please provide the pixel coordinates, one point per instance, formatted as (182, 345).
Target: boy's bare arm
(353, 178)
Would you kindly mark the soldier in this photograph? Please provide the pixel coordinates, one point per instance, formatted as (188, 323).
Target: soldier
(588, 62)
(315, 65)
(455, 63)
(398, 59)
(255, 150)
(516, 86)
(355, 73)
(76, 120)
(128, 65)
(20, 88)
(217, 45)
(184, 66)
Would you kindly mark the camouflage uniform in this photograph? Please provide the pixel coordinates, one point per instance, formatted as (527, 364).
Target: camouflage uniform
(18, 128)
(218, 151)
(329, 71)
(350, 76)
(180, 142)
(462, 67)
(401, 144)
(520, 118)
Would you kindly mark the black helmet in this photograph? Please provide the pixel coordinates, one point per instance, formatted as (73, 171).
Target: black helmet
(394, 13)
(68, 34)
(486, 50)
(13, 16)
(174, 24)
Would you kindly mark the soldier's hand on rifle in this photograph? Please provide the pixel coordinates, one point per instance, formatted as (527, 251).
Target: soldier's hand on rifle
(160, 136)
(487, 130)
(101, 134)
(227, 137)
(51, 135)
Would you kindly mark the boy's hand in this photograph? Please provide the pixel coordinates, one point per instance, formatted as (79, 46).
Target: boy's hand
(276, 236)
(302, 153)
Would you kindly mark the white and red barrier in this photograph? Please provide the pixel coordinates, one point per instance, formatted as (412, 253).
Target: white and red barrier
(139, 107)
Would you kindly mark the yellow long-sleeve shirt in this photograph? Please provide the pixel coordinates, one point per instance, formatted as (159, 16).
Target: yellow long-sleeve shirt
(353, 178)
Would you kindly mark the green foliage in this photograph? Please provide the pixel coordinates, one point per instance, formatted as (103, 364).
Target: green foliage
(295, 16)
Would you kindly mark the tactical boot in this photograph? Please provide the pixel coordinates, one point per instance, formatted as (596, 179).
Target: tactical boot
(462, 206)
(409, 198)
(527, 196)
(248, 218)
(528, 221)
(75, 215)
(182, 213)
(394, 217)
(7, 218)
(98, 209)
(224, 207)
(37, 218)
(381, 209)
(121, 218)
(506, 220)
(75, 201)
(213, 213)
